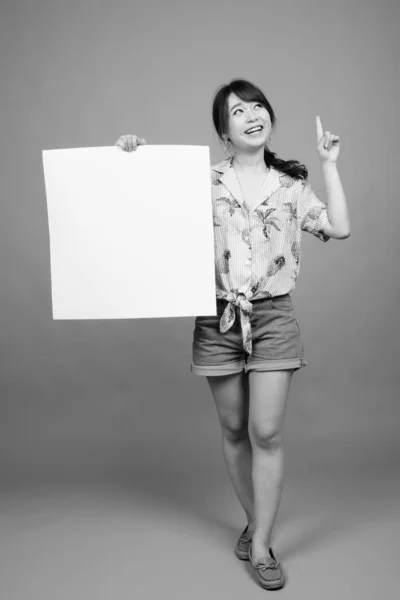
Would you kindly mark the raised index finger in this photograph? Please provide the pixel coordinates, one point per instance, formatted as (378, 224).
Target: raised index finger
(320, 131)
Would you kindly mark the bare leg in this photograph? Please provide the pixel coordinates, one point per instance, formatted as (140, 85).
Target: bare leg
(231, 396)
(268, 398)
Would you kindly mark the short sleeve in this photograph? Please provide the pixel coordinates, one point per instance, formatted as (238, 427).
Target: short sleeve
(312, 213)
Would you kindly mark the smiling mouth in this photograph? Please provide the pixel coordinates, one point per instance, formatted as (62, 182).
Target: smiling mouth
(254, 130)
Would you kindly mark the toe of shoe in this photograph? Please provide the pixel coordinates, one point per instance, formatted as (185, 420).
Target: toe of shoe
(272, 582)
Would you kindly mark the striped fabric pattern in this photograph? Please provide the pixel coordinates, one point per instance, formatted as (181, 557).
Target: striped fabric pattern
(258, 249)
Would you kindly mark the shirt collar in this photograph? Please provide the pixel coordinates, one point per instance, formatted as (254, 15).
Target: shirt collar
(227, 176)
(223, 166)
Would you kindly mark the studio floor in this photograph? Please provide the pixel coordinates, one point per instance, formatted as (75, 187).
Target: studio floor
(162, 533)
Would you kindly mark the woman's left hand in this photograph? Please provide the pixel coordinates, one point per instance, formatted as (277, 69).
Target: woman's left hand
(328, 144)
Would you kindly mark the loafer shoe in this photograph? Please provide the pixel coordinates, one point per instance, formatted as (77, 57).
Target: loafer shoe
(268, 571)
(243, 543)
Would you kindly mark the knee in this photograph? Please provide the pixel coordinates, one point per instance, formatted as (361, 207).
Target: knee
(235, 431)
(266, 437)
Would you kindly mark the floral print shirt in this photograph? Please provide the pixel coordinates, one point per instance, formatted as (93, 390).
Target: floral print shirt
(257, 250)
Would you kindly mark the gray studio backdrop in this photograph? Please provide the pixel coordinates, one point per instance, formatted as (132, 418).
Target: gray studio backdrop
(89, 399)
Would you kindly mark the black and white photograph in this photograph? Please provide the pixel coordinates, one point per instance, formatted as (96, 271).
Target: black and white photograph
(199, 399)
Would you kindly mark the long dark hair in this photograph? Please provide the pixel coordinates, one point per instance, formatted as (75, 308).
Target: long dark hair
(248, 92)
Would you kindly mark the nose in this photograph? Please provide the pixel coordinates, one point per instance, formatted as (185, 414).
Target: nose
(251, 116)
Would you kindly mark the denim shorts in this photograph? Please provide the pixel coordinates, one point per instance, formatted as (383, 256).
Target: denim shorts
(276, 340)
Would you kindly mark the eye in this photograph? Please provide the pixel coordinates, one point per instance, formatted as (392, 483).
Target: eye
(258, 104)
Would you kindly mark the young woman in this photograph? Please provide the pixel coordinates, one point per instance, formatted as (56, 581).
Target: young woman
(250, 350)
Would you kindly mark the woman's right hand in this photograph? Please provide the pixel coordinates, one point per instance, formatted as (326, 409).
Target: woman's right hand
(129, 142)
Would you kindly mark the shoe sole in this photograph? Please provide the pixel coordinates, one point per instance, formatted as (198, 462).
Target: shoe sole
(240, 556)
(270, 586)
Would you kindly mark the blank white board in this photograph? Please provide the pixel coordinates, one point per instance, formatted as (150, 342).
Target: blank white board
(131, 233)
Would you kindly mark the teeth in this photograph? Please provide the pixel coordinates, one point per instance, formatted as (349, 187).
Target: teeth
(253, 130)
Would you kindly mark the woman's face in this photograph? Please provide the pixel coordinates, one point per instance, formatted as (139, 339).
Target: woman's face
(244, 116)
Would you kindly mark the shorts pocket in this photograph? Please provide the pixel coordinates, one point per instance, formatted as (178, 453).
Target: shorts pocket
(282, 302)
(206, 321)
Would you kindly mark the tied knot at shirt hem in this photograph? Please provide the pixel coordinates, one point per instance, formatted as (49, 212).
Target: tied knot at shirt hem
(228, 317)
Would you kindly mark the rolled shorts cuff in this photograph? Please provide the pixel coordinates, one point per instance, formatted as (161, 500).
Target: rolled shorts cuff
(227, 369)
(276, 365)
(238, 366)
